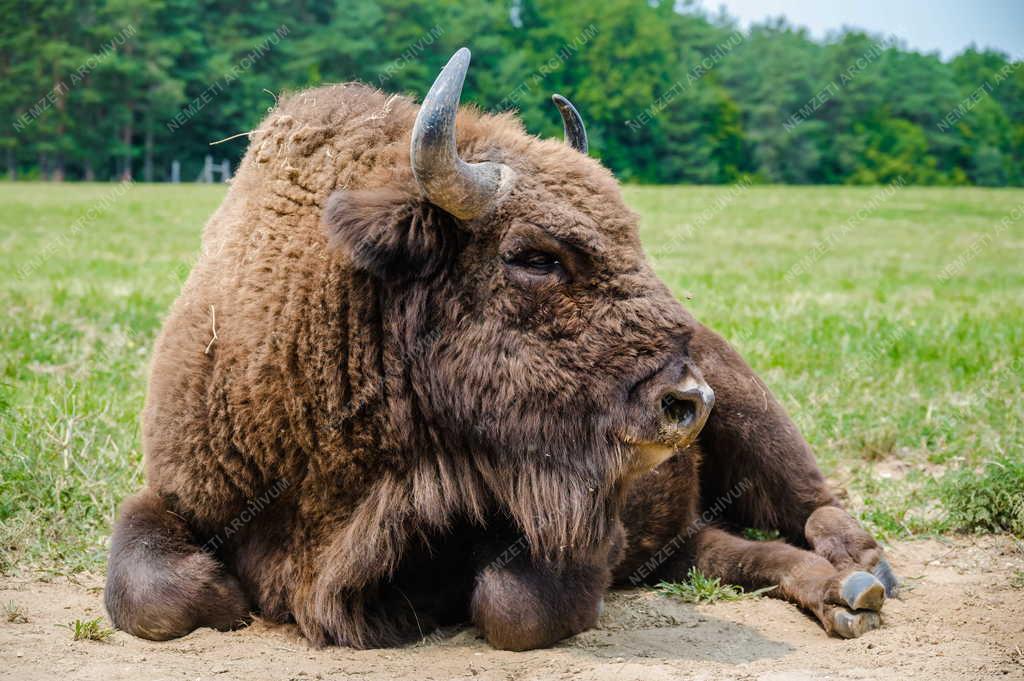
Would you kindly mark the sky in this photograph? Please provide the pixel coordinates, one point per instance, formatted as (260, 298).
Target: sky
(944, 26)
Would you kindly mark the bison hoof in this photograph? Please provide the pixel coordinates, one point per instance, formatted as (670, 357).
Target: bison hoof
(849, 624)
(861, 591)
(883, 571)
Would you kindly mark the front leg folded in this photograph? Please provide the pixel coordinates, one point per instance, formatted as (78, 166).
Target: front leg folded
(846, 602)
(522, 603)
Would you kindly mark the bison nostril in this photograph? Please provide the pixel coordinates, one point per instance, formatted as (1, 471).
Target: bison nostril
(681, 410)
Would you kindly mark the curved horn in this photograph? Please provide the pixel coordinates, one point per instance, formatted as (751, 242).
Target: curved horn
(466, 190)
(572, 123)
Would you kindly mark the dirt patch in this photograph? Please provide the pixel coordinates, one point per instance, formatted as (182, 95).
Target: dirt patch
(959, 618)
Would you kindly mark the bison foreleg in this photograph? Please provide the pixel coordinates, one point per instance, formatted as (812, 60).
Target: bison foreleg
(160, 583)
(846, 602)
(523, 605)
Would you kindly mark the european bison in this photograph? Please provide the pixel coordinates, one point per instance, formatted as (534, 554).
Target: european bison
(419, 378)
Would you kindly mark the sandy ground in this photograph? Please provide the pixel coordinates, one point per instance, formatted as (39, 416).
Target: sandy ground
(959, 618)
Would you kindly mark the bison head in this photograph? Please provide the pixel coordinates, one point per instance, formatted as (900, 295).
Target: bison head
(530, 340)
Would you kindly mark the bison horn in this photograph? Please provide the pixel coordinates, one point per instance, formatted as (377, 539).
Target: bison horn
(466, 190)
(572, 123)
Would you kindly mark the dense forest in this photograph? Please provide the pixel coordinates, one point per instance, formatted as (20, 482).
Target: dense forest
(109, 89)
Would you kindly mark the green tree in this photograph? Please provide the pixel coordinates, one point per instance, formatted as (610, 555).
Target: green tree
(670, 93)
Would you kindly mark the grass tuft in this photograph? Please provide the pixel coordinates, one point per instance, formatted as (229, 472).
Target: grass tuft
(14, 613)
(989, 500)
(754, 534)
(89, 630)
(699, 588)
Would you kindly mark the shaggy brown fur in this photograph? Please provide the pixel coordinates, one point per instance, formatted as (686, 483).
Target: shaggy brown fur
(359, 403)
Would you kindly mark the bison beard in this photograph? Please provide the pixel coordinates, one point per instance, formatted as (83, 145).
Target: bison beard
(456, 377)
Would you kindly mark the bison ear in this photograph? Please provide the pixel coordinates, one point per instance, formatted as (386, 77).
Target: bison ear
(390, 233)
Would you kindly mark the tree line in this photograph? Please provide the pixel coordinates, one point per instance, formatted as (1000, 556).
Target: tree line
(116, 89)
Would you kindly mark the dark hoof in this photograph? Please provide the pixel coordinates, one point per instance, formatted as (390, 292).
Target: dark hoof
(861, 591)
(883, 571)
(854, 624)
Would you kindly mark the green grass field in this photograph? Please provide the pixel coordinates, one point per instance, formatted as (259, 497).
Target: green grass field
(891, 325)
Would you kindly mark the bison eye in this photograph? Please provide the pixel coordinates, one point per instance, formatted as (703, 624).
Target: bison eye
(538, 261)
